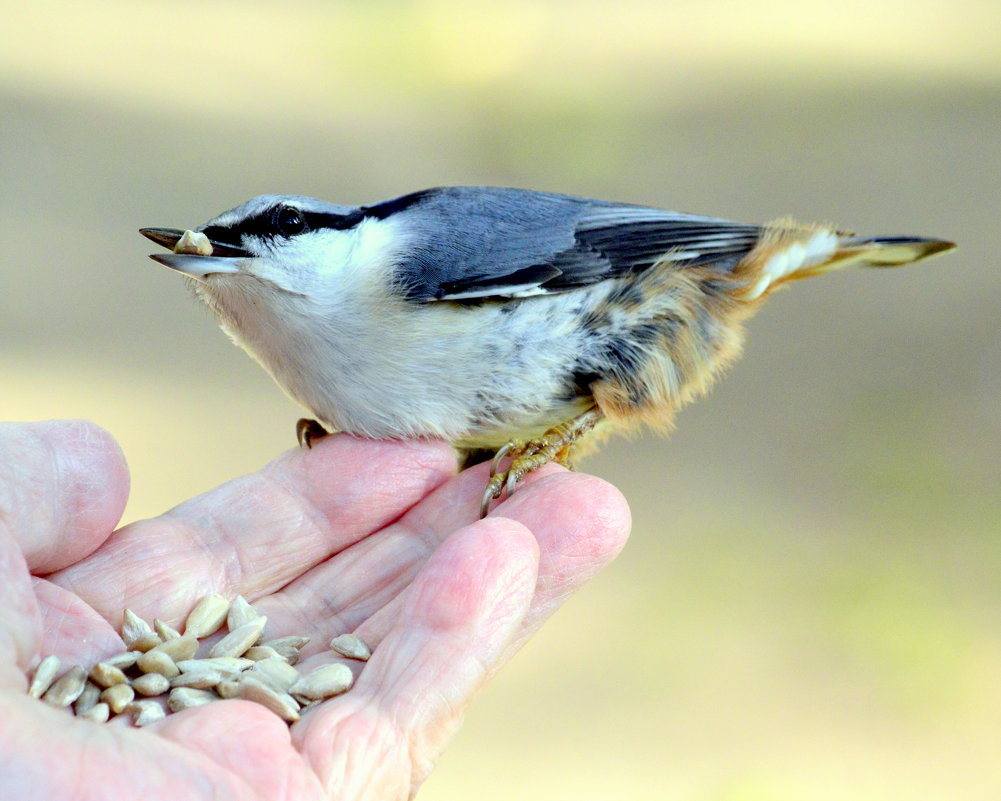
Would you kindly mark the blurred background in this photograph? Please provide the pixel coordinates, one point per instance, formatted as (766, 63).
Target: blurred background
(809, 605)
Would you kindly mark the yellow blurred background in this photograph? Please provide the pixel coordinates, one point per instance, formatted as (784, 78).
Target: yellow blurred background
(809, 606)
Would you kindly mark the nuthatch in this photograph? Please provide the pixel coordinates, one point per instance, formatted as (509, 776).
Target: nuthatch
(502, 320)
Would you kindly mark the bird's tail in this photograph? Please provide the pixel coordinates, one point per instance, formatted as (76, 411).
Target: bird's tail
(787, 253)
(885, 251)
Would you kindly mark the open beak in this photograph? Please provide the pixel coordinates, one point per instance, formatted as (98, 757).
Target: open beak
(224, 259)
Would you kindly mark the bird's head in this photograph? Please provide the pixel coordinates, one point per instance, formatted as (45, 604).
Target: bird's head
(285, 243)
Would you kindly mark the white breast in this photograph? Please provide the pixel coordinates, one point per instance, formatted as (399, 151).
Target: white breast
(364, 360)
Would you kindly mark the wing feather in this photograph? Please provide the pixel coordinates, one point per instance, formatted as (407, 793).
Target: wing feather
(508, 243)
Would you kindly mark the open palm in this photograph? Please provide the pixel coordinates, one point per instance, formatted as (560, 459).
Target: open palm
(354, 535)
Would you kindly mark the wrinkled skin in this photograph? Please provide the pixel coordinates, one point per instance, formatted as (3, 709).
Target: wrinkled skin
(353, 535)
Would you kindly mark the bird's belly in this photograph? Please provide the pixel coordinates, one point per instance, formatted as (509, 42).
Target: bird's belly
(524, 428)
(477, 377)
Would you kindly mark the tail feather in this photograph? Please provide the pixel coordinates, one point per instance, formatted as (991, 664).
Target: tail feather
(887, 251)
(788, 252)
(865, 251)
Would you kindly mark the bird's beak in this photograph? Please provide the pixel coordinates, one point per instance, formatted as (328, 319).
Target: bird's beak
(224, 259)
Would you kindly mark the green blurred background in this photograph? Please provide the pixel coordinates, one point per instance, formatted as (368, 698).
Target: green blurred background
(808, 608)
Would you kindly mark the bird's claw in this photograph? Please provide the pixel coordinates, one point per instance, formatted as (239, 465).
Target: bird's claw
(308, 431)
(553, 446)
(503, 452)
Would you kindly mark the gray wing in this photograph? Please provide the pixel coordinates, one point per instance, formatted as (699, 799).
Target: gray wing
(481, 242)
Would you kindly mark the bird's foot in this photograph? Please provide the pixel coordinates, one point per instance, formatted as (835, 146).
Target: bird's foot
(309, 431)
(553, 446)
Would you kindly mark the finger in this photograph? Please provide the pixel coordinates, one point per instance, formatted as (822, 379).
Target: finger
(254, 534)
(63, 487)
(20, 621)
(456, 621)
(70, 629)
(360, 584)
(580, 522)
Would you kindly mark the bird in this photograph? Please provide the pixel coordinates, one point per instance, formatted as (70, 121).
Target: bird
(521, 326)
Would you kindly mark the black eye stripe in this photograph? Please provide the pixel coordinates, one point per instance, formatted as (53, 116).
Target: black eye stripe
(263, 225)
(339, 222)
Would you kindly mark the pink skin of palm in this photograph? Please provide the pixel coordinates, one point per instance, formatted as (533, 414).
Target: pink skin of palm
(354, 535)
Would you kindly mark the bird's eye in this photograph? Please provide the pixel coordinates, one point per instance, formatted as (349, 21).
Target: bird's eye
(289, 221)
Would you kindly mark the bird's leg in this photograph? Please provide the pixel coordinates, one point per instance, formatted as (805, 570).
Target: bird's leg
(553, 446)
(309, 431)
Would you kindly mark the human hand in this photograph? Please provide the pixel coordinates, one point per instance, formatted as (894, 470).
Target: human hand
(354, 535)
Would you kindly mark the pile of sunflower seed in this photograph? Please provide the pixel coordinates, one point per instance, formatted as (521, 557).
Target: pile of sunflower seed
(161, 661)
